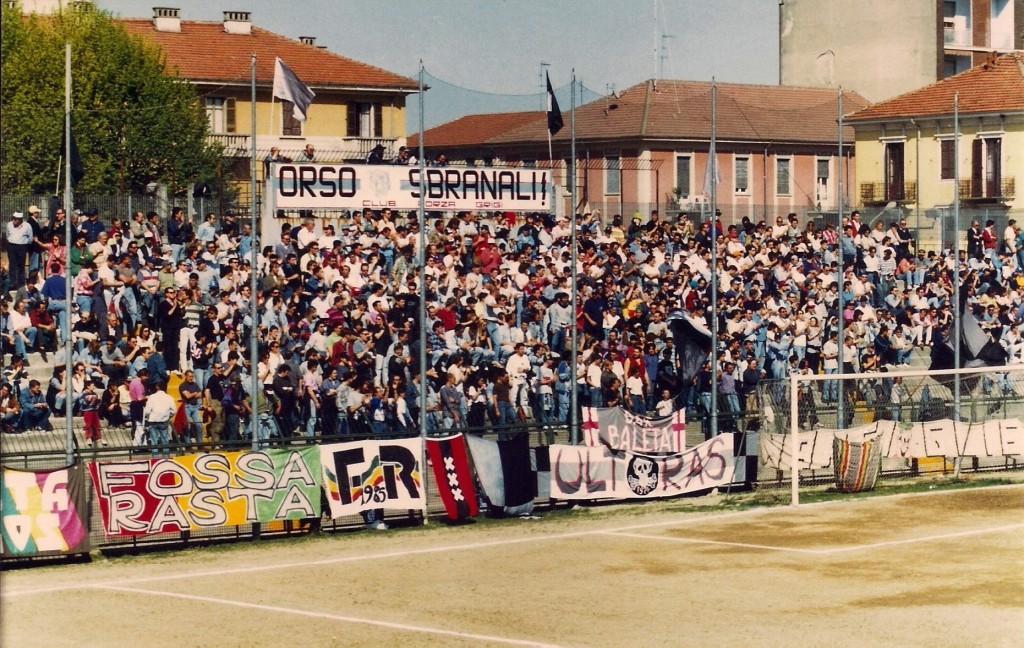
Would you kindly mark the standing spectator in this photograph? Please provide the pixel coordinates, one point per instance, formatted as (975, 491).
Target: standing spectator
(158, 412)
(19, 238)
(89, 406)
(137, 407)
(192, 401)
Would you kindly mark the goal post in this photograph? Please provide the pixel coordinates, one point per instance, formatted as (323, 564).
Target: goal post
(931, 417)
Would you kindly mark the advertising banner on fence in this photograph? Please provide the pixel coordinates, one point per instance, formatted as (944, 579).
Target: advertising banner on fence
(206, 490)
(43, 512)
(343, 186)
(618, 429)
(585, 472)
(364, 475)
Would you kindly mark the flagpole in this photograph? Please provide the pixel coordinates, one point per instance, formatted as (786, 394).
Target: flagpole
(841, 405)
(956, 266)
(574, 377)
(254, 358)
(422, 220)
(68, 204)
(714, 263)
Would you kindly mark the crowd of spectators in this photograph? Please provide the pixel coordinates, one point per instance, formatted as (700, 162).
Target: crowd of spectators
(336, 316)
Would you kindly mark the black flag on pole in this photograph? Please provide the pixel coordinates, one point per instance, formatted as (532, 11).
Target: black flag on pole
(555, 122)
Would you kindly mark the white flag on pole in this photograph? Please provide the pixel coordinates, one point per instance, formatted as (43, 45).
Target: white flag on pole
(288, 88)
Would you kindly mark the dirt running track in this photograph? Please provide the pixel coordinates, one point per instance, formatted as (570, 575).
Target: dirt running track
(934, 569)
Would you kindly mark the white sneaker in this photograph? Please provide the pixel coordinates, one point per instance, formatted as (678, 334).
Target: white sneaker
(88, 443)
(379, 526)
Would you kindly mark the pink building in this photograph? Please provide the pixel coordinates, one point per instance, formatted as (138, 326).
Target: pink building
(647, 148)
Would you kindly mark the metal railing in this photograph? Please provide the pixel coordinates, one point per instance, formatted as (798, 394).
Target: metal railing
(1003, 190)
(879, 193)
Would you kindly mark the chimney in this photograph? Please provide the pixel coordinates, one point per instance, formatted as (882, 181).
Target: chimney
(167, 19)
(237, 22)
(308, 40)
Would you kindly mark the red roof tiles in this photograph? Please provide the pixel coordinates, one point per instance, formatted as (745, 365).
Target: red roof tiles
(204, 52)
(994, 87)
(474, 130)
(682, 110)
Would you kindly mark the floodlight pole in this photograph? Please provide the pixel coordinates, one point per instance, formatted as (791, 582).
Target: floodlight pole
(254, 358)
(957, 315)
(422, 221)
(714, 263)
(840, 404)
(574, 372)
(68, 204)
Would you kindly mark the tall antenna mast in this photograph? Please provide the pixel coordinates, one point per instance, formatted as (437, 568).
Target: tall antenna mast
(664, 54)
(543, 86)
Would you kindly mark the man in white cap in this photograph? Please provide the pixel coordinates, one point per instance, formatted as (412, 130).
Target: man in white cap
(19, 238)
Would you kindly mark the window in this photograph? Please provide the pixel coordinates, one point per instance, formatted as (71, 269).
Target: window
(986, 167)
(894, 189)
(947, 168)
(290, 127)
(611, 175)
(821, 184)
(782, 180)
(742, 173)
(220, 111)
(683, 176)
(365, 120)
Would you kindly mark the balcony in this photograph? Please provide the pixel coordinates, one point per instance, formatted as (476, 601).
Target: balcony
(366, 144)
(957, 37)
(234, 145)
(881, 193)
(988, 191)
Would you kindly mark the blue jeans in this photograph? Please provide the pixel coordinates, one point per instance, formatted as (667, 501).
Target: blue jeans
(19, 344)
(596, 399)
(830, 393)
(59, 310)
(158, 436)
(194, 416)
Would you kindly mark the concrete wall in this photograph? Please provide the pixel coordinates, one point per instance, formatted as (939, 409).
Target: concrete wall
(878, 48)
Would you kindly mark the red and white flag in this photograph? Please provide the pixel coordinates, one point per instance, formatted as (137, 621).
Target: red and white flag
(453, 477)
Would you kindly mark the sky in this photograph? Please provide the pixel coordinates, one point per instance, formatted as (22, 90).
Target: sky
(497, 46)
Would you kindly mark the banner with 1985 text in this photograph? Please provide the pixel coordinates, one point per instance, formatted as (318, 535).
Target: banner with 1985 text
(363, 475)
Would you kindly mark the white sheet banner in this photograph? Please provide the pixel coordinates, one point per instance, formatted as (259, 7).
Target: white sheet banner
(364, 475)
(940, 438)
(349, 186)
(587, 472)
(621, 430)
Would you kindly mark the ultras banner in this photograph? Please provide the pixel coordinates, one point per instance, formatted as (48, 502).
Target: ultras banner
(364, 475)
(618, 429)
(583, 472)
(206, 490)
(43, 512)
(341, 186)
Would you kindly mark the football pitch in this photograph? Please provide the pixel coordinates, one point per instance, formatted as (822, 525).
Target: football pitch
(925, 569)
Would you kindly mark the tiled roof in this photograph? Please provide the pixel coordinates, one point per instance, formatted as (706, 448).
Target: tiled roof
(681, 110)
(474, 130)
(993, 87)
(203, 51)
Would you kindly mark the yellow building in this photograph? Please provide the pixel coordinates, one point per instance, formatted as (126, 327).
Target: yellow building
(906, 151)
(357, 106)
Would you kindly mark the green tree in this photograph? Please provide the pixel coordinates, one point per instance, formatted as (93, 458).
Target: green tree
(133, 122)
